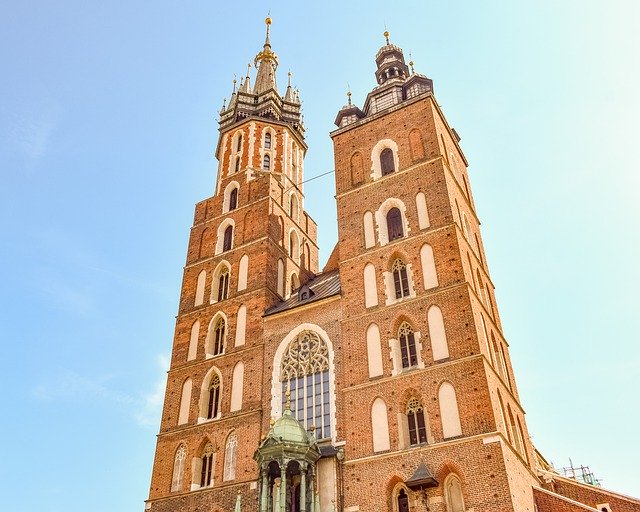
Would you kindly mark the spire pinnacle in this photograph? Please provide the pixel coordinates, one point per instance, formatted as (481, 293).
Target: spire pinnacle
(289, 82)
(234, 86)
(268, 23)
(266, 62)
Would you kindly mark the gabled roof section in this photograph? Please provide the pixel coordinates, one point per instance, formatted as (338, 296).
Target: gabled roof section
(322, 286)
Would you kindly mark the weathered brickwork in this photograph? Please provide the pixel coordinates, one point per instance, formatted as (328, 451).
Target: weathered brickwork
(406, 360)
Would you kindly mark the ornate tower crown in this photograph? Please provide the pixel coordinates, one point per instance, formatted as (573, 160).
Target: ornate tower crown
(263, 100)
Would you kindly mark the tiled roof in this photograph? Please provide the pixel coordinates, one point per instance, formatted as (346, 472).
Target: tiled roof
(321, 286)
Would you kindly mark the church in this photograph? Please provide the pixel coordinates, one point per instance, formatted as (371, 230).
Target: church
(381, 382)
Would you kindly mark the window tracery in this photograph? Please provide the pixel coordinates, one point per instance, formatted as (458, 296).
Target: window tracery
(400, 279)
(213, 407)
(407, 346)
(305, 374)
(206, 474)
(417, 427)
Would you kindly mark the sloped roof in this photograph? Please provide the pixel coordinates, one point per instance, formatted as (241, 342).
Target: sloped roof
(321, 286)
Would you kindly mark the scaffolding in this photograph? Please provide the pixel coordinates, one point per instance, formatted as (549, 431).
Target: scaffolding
(580, 474)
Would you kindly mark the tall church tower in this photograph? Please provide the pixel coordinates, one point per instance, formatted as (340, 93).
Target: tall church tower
(251, 243)
(382, 383)
(446, 430)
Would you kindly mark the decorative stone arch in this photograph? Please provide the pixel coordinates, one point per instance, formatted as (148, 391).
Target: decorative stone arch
(357, 168)
(416, 146)
(395, 349)
(449, 412)
(276, 387)
(233, 185)
(179, 463)
(397, 493)
(374, 351)
(236, 150)
(185, 401)
(294, 245)
(230, 456)
(369, 230)
(294, 207)
(381, 219)
(437, 333)
(203, 401)
(237, 387)
(243, 272)
(220, 234)
(376, 168)
(270, 152)
(370, 285)
(201, 282)
(209, 340)
(379, 425)
(193, 341)
(453, 494)
(215, 279)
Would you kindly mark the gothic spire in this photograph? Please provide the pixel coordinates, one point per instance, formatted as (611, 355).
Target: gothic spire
(266, 61)
(246, 85)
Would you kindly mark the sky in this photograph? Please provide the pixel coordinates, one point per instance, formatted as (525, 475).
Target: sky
(108, 125)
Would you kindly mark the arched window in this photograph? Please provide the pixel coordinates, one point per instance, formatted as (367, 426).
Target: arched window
(237, 167)
(295, 282)
(178, 468)
(305, 373)
(230, 457)
(185, 402)
(233, 199)
(213, 405)
(228, 238)
(379, 426)
(218, 337)
(403, 501)
(293, 207)
(400, 279)
(453, 494)
(449, 415)
(294, 246)
(394, 224)
(223, 284)
(387, 164)
(193, 341)
(417, 428)
(267, 140)
(407, 346)
(237, 387)
(266, 162)
(206, 474)
(239, 143)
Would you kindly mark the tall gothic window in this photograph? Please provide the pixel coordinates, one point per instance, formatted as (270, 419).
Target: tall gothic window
(230, 457)
(239, 145)
(305, 373)
(407, 346)
(233, 199)
(417, 429)
(223, 284)
(400, 279)
(213, 407)
(178, 468)
(228, 237)
(267, 140)
(266, 162)
(403, 501)
(394, 224)
(218, 337)
(387, 164)
(206, 475)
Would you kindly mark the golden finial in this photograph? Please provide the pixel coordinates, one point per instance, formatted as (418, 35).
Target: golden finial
(268, 20)
(386, 36)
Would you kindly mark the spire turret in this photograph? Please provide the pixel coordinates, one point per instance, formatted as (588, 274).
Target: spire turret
(266, 62)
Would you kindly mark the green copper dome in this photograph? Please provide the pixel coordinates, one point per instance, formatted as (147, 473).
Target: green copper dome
(289, 430)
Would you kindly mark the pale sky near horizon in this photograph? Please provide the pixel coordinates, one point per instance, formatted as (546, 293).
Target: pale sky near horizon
(108, 124)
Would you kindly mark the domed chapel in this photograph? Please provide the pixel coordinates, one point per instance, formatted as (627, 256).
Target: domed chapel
(379, 383)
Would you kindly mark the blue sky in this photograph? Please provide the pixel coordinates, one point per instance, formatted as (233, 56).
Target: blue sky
(108, 123)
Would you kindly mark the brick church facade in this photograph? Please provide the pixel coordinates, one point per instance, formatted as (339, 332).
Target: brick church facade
(381, 382)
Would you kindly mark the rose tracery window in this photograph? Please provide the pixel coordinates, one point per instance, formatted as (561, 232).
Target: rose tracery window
(305, 373)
